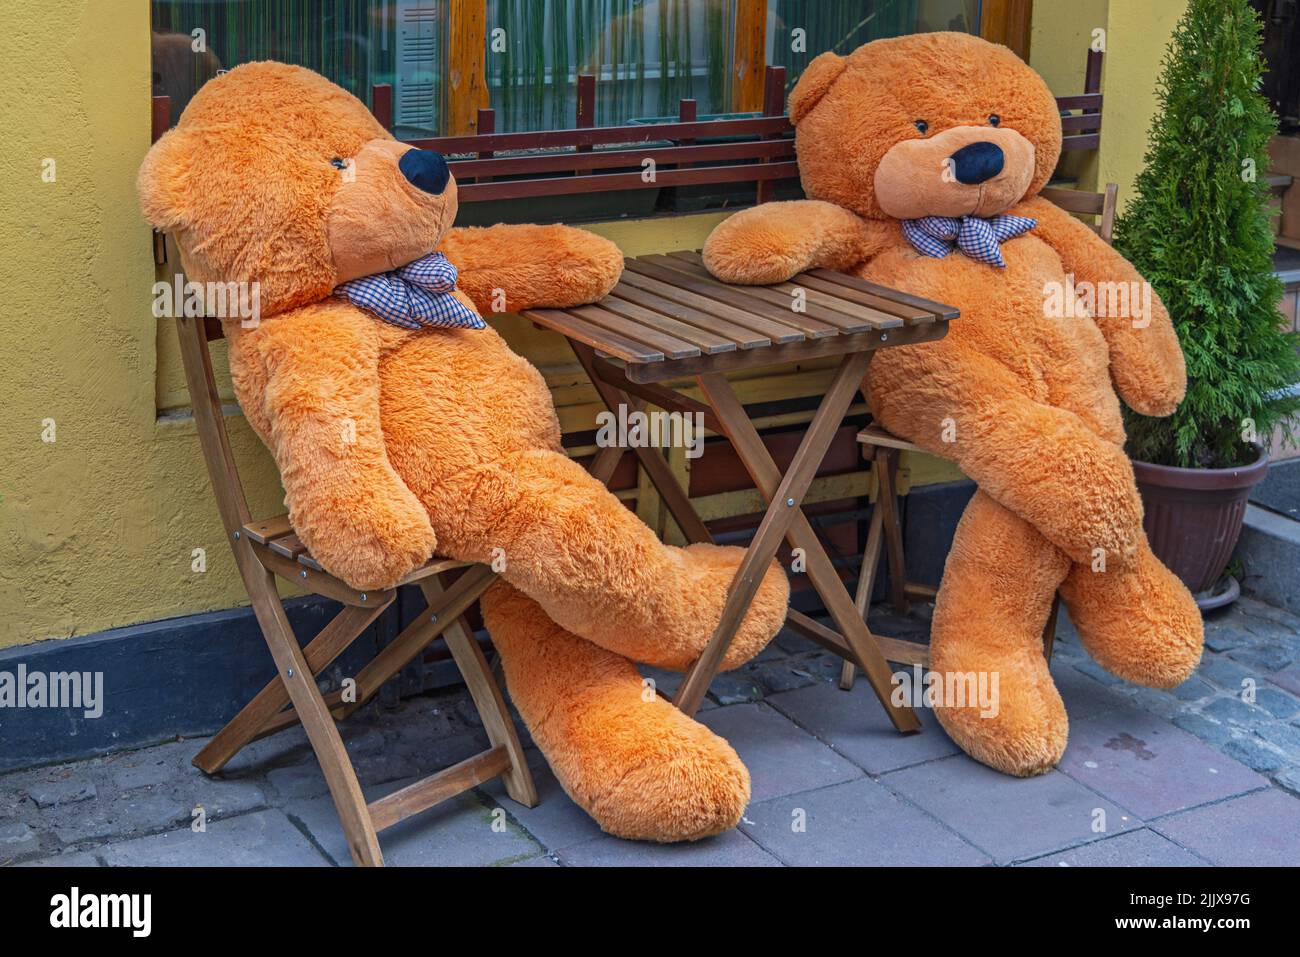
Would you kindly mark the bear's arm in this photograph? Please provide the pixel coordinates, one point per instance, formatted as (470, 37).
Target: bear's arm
(773, 241)
(321, 402)
(507, 268)
(1042, 462)
(1146, 362)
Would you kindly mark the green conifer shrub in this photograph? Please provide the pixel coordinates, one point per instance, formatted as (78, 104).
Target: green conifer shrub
(1199, 232)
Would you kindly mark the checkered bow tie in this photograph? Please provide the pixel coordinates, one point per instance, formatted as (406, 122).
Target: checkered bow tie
(978, 238)
(417, 295)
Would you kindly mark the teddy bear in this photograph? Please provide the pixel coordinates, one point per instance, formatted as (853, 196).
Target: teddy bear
(403, 425)
(922, 158)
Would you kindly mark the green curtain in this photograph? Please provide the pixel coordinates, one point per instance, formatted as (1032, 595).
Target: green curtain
(349, 41)
(647, 54)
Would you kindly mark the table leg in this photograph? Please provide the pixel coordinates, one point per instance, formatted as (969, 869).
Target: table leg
(784, 518)
(656, 466)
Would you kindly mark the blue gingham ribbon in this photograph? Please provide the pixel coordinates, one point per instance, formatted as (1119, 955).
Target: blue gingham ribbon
(977, 238)
(417, 295)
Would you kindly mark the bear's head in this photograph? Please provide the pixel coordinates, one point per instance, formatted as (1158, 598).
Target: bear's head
(278, 177)
(933, 124)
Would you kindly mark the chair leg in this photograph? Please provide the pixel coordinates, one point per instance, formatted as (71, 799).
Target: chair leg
(246, 726)
(887, 501)
(358, 828)
(487, 698)
(1049, 629)
(866, 575)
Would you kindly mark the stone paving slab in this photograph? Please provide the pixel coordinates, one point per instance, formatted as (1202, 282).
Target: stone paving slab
(461, 832)
(1150, 767)
(263, 839)
(781, 758)
(1010, 819)
(854, 723)
(68, 859)
(1287, 679)
(858, 823)
(1212, 767)
(556, 821)
(1141, 848)
(1084, 695)
(732, 849)
(1258, 830)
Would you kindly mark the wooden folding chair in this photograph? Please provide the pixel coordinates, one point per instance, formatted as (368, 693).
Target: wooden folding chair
(884, 450)
(268, 547)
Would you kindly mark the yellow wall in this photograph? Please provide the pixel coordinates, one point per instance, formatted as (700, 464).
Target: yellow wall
(77, 516)
(1136, 33)
(97, 529)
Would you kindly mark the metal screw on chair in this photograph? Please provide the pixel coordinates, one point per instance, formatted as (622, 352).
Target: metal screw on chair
(363, 596)
(290, 672)
(236, 535)
(302, 574)
(433, 619)
(884, 336)
(789, 502)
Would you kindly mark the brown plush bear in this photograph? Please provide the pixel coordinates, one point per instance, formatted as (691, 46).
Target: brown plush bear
(400, 428)
(922, 158)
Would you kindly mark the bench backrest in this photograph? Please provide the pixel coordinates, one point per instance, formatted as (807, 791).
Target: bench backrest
(685, 152)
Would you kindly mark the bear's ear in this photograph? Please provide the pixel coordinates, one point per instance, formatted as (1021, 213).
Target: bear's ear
(163, 183)
(817, 78)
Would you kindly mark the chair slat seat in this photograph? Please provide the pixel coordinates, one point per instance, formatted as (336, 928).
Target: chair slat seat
(875, 435)
(278, 535)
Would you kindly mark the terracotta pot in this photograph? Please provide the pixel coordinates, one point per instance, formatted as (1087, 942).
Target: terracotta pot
(1194, 517)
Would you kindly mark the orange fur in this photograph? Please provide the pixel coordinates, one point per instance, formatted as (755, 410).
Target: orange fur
(393, 443)
(1024, 402)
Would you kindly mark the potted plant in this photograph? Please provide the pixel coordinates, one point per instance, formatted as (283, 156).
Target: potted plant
(1199, 231)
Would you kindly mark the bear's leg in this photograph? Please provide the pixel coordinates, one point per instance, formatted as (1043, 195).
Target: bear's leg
(1139, 622)
(561, 537)
(987, 634)
(637, 765)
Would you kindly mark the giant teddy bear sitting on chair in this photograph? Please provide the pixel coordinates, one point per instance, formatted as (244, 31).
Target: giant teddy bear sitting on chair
(922, 158)
(402, 424)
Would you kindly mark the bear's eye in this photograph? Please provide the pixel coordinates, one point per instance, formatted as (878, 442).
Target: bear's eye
(922, 126)
(338, 163)
(994, 119)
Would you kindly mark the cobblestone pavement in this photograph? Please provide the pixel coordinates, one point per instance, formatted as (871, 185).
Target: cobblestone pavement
(1206, 773)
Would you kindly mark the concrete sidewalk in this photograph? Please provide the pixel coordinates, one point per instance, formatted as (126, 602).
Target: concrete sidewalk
(1207, 773)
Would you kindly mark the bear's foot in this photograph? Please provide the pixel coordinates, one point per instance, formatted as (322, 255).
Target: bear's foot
(1017, 724)
(996, 697)
(637, 765)
(1140, 623)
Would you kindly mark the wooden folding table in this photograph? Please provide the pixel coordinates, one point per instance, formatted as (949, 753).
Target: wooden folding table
(669, 319)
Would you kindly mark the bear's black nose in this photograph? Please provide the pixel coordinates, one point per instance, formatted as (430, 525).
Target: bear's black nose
(976, 163)
(425, 170)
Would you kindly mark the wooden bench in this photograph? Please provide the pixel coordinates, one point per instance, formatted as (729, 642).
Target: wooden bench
(592, 159)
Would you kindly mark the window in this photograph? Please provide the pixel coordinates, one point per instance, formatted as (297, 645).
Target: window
(353, 42)
(447, 58)
(646, 55)
(844, 26)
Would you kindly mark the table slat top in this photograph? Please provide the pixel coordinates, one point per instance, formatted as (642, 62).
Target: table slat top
(668, 310)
